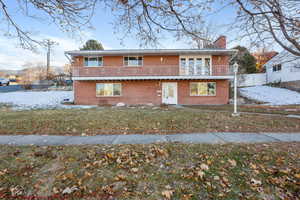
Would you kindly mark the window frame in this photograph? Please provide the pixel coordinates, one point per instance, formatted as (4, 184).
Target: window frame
(112, 90)
(198, 95)
(133, 65)
(84, 57)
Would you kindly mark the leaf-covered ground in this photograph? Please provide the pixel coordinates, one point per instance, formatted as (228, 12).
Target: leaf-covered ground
(138, 120)
(157, 171)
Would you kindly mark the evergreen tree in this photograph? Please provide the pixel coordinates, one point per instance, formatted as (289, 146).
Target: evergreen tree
(247, 62)
(92, 45)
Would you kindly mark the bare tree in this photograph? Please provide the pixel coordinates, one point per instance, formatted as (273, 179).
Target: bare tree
(68, 15)
(153, 20)
(263, 21)
(148, 20)
(267, 21)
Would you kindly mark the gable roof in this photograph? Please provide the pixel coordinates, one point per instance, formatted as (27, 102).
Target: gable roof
(210, 51)
(283, 57)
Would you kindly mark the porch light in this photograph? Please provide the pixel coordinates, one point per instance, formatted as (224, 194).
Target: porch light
(235, 67)
(235, 70)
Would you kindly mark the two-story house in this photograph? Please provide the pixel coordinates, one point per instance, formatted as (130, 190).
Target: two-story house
(152, 76)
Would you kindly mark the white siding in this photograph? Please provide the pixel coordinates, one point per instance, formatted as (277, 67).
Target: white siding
(287, 73)
(290, 68)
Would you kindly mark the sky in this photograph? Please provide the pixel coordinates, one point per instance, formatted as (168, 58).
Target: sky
(13, 57)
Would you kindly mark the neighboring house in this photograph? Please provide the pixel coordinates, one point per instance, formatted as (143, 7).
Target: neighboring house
(152, 76)
(262, 58)
(284, 67)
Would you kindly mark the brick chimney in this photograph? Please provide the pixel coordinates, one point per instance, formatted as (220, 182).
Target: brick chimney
(220, 42)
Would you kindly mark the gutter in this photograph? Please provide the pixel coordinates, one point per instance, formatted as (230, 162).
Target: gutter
(153, 52)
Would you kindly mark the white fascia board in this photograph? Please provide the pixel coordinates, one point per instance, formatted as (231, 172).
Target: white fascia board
(152, 52)
(149, 78)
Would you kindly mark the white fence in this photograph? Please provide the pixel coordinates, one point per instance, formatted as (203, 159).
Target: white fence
(245, 80)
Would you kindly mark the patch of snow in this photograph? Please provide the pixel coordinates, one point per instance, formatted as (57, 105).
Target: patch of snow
(271, 95)
(39, 100)
(120, 104)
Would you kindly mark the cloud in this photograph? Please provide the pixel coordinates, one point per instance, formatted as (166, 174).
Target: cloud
(13, 57)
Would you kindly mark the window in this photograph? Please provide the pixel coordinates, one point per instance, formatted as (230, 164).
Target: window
(195, 65)
(133, 61)
(276, 68)
(203, 89)
(108, 89)
(93, 61)
(182, 66)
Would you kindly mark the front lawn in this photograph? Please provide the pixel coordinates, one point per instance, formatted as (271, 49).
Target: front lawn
(266, 109)
(137, 120)
(156, 171)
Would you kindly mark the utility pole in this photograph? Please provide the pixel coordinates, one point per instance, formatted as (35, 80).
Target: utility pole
(49, 43)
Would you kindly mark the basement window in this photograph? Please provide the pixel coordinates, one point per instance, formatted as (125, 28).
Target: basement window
(108, 89)
(203, 89)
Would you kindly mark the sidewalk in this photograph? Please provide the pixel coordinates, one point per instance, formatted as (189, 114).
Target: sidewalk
(210, 138)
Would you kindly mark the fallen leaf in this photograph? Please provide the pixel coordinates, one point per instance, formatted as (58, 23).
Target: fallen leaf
(232, 162)
(135, 170)
(204, 166)
(167, 194)
(200, 173)
(297, 175)
(255, 182)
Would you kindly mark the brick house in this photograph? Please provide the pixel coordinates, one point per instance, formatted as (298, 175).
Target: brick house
(152, 76)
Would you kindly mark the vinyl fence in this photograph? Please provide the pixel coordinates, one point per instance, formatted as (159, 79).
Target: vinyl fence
(245, 80)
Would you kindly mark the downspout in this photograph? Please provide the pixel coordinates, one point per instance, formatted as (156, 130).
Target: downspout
(71, 77)
(69, 59)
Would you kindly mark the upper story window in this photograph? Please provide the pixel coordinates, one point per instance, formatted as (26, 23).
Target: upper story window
(195, 65)
(276, 68)
(133, 61)
(93, 61)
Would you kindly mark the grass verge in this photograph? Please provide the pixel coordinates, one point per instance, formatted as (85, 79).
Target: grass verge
(157, 171)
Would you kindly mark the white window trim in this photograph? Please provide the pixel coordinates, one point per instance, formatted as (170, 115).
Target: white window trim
(202, 95)
(197, 56)
(133, 65)
(93, 57)
(113, 91)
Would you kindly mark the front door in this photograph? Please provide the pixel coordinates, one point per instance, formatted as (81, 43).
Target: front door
(169, 93)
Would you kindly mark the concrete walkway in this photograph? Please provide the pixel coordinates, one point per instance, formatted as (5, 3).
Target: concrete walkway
(210, 138)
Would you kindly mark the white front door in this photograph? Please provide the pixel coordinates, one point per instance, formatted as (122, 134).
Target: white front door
(169, 93)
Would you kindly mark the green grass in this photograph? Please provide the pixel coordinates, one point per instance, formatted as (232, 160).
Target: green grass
(137, 120)
(183, 171)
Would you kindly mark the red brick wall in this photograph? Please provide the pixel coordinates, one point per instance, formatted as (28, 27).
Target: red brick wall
(133, 92)
(222, 93)
(221, 42)
(143, 92)
(148, 61)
